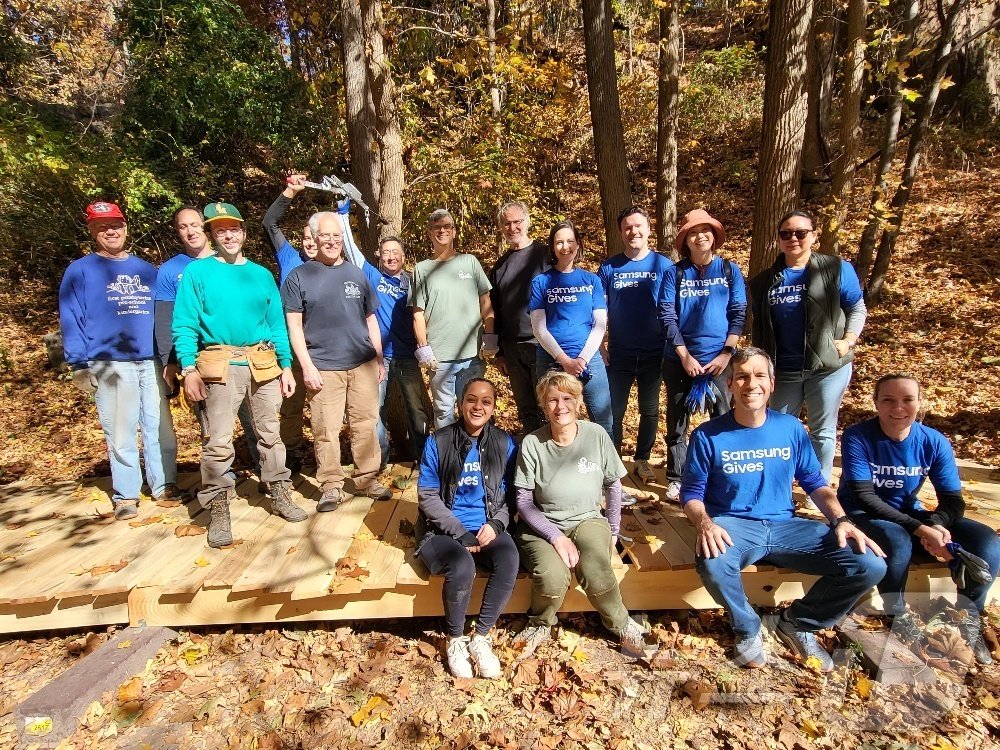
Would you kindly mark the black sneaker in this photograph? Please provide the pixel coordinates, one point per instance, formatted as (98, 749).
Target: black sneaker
(971, 628)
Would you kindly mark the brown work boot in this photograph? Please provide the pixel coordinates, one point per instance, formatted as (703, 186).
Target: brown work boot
(220, 527)
(282, 503)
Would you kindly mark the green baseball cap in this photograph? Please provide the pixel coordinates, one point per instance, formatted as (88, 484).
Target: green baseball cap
(214, 211)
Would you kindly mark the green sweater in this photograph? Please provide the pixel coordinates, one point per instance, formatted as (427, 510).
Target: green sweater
(219, 303)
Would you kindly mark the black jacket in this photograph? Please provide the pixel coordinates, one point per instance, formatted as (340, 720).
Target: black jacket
(511, 291)
(826, 320)
(453, 444)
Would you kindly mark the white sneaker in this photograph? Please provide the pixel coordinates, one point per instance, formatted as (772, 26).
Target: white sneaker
(481, 651)
(458, 657)
(643, 472)
(673, 491)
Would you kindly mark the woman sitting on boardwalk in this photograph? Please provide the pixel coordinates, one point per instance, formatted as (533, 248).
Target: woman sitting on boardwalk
(885, 462)
(563, 471)
(465, 507)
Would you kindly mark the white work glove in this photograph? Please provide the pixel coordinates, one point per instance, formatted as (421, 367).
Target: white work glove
(425, 356)
(490, 347)
(84, 380)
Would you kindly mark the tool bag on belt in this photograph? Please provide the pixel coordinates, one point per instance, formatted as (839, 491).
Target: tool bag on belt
(213, 361)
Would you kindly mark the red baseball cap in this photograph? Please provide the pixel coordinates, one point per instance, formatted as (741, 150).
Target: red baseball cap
(103, 210)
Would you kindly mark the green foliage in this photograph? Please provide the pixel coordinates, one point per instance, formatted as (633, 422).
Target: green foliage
(724, 87)
(211, 95)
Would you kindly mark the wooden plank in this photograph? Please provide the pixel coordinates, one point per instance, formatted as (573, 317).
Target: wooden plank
(885, 657)
(88, 612)
(392, 554)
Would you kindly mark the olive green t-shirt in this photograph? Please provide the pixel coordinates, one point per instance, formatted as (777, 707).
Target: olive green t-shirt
(448, 292)
(568, 480)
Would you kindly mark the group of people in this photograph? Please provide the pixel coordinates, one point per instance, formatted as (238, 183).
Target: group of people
(340, 328)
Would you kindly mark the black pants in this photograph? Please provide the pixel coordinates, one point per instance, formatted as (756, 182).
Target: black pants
(520, 358)
(445, 554)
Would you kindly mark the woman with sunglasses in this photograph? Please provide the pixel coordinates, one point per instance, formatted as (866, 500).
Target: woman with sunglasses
(569, 315)
(808, 311)
(886, 461)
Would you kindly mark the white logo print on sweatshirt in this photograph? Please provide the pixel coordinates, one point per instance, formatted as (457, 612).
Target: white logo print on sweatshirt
(127, 285)
(130, 294)
(586, 467)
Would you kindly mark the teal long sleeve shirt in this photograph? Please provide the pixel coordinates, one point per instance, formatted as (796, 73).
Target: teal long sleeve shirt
(220, 303)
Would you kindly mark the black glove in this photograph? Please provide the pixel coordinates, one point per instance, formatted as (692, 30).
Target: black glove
(965, 565)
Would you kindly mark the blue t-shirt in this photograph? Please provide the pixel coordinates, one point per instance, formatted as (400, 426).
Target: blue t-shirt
(106, 309)
(168, 277)
(470, 496)
(632, 288)
(569, 301)
(747, 472)
(395, 319)
(897, 469)
(704, 309)
(788, 312)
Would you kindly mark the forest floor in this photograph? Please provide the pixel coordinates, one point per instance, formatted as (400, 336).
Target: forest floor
(382, 684)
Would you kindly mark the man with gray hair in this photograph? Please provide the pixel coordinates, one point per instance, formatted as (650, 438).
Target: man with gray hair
(511, 278)
(330, 310)
(450, 297)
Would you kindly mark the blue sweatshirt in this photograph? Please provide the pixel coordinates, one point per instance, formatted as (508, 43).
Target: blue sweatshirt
(632, 288)
(700, 309)
(897, 469)
(106, 310)
(747, 472)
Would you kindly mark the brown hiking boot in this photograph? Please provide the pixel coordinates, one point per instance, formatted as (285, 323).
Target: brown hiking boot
(220, 527)
(282, 503)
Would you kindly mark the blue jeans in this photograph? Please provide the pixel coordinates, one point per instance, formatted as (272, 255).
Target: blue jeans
(645, 373)
(131, 397)
(821, 391)
(902, 548)
(405, 370)
(596, 393)
(678, 419)
(447, 383)
(802, 545)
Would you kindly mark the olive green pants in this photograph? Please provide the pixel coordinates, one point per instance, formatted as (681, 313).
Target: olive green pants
(550, 577)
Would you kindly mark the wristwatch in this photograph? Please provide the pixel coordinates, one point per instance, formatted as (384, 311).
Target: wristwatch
(728, 349)
(188, 370)
(839, 520)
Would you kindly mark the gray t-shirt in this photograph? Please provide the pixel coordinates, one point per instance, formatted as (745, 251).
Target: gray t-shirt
(448, 292)
(334, 302)
(568, 480)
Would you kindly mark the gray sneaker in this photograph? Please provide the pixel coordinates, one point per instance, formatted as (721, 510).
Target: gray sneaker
(220, 529)
(802, 643)
(282, 503)
(331, 499)
(633, 639)
(376, 491)
(971, 628)
(673, 493)
(529, 639)
(125, 508)
(749, 652)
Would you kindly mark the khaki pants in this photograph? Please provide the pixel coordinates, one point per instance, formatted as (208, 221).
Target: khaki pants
(291, 412)
(218, 414)
(356, 391)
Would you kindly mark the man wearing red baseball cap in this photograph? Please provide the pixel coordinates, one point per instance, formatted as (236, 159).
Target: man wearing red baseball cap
(106, 317)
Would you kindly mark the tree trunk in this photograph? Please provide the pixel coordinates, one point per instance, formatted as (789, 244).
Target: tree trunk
(850, 128)
(909, 15)
(606, 117)
(943, 54)
(666, 127)
(822, 52)
(783, 126)
(388, 132)
(365, 163)
(491, 36)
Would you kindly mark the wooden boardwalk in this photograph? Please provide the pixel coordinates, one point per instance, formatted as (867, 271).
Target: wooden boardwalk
(65, 562)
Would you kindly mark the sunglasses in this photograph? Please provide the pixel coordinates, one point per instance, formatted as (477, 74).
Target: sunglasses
(799, 234)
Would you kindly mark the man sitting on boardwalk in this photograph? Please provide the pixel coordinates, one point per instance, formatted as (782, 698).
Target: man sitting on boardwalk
(231, 344)
(737, 492)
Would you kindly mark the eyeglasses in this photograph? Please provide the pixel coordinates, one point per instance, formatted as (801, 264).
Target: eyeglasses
(799, 234)
(329, 237)
(228, 230)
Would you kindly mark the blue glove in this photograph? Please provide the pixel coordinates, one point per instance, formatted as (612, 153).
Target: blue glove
(698, 395)
(344, 206)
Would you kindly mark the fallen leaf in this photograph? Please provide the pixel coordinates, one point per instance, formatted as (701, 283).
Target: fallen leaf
(364, 535)
(189, 529)
(374, 709)
(812, 730)
(864, 686)
(192, 652)
(168, 503)
(145, 521)
(170, 681)
(131, 691)
(699, 692)
(31, 534)
(14, 525)
(649, 539)
(579, 654)
(202, 562)
(477, 711)
(100, 570)
(291, 550)
(427, 649)
(125, 644)
(208, 707)
(236, 543)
